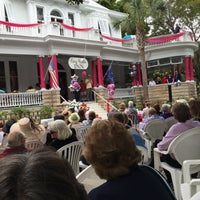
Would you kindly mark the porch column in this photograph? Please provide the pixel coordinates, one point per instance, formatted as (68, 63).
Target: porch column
(134, 71)
(191, 69)
(56, 68)
(94, 73)
(139, 74)
(100, 72)
(50, 78)
(42, 76)
(187, 78)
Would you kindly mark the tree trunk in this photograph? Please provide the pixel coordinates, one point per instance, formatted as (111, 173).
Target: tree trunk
(140, 37)
(144, 74)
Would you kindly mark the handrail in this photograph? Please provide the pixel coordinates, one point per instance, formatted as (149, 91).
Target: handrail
(107, 102)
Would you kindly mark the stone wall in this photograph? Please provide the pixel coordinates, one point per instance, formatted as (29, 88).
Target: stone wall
(160, 93)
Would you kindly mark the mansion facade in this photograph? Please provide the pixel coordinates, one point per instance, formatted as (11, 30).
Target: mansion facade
(78, 38)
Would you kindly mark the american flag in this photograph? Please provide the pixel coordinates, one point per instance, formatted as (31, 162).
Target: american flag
(52, 72)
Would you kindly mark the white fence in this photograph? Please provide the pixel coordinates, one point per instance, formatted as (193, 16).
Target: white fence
(20, 99)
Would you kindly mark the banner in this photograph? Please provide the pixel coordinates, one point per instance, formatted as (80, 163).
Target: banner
(72, 28)
(115, 39)
(165, 38)
(19, 25)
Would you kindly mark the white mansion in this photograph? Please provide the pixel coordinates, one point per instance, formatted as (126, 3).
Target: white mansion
(33, 31)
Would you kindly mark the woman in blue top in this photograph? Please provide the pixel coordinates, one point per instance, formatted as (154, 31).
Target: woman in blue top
(109, 148)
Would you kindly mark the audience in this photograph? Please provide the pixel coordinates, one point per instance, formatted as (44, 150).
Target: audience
(152, 116)
(6, 131)
(16, 144)
(115, 158)
(61, 134)
(195, 109)
(166, 111)
(122, 118)
(40, 175)
(132, 113)
(31, 130)
(182, 114)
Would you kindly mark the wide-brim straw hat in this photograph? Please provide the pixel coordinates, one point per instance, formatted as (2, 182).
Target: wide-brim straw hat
(24, 125)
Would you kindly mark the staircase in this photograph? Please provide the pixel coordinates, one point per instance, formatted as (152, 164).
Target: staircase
(98, 109)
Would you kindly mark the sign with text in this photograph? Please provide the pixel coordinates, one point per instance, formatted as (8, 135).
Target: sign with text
(78, 63)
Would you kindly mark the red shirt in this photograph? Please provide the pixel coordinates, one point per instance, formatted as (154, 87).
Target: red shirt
(13, 150)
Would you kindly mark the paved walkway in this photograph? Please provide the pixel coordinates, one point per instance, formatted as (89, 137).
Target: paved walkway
(98, 109)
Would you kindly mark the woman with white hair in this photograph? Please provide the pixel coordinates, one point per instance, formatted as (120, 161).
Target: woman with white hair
(61, 134)
(166, 111)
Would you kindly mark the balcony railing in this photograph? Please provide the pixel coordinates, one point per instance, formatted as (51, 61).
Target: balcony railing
(8, 100)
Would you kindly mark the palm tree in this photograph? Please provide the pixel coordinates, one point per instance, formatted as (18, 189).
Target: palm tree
(139, 11)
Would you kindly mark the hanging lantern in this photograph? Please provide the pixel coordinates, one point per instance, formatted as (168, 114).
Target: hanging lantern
(84, 74)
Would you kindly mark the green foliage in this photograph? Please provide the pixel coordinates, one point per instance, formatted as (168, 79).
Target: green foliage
(74, 2)
(46, 112)
(20, 112)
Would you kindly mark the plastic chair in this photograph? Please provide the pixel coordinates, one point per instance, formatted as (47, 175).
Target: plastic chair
(170, 122)
(72, 152)
(89, 178)
(154, 130)
(33, 144)
(184, 147)
(190, 186)
(80, 133)
(144, 154)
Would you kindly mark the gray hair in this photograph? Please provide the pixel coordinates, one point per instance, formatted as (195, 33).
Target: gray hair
(60, 126)
(16, 139)
(165, 108)
(130, 104)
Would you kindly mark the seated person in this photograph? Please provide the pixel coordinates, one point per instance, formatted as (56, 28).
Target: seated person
(182, 114)
(115, 158)
(42, 174)
(152, 116)
(16, 144)
(166, 111)
(61, 134)
(194, 109)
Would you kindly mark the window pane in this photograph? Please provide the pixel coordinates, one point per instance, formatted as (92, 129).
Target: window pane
(13, 76)
(2, 77)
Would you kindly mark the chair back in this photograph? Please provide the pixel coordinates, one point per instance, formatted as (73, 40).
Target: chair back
(186, 146)
(80, 133)
(144, 154)
(170, 122)
(72, 152)
(155, 129)
(33, 144)
(89, 178)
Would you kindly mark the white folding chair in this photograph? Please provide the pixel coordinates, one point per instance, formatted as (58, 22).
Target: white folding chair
(184, 147)
(153, 130)
(72, 152)
(89, 178)
(190, 186)
(144, 154)
(80, 133)
(34, 144)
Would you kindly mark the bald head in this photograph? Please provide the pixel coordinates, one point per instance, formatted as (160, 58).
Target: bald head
(16, 139)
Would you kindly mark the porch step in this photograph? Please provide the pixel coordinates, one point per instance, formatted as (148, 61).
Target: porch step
(98, 109)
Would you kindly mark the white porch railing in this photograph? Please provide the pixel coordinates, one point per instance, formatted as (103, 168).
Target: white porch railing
(121, 93)
(20, 99)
